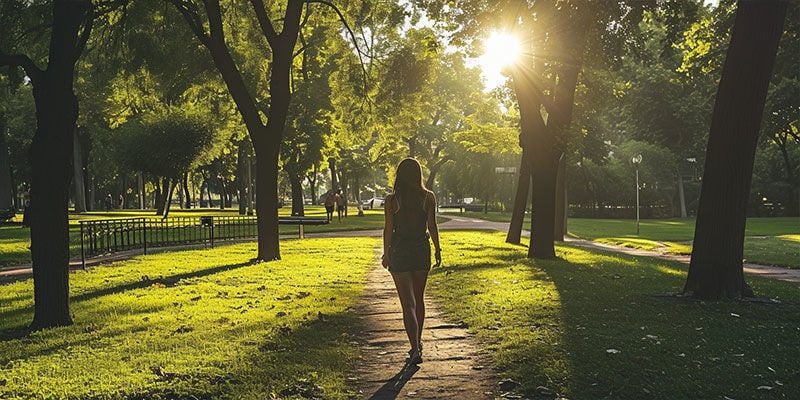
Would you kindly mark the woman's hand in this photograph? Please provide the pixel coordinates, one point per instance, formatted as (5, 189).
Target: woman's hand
(438, 257)
(385, 261)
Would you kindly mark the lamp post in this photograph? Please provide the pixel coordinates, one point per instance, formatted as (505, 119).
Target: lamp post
(636, 161)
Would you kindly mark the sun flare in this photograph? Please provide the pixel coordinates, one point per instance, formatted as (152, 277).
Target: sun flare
(500, 49)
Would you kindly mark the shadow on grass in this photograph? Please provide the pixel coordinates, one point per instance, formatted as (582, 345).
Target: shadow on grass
(167, 281)
(613, 319)
(391, 389)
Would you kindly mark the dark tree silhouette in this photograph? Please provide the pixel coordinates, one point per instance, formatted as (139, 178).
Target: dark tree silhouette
(716, 269)
(51, 155)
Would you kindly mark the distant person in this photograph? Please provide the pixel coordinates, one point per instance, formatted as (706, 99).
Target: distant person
(108, 202)
(330, 201)
(121, 201)
(410, 220)
(26, 207)
(341, 204)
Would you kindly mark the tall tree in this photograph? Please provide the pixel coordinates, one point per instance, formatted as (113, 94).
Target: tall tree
(51, 155)
(208, 26)
(716, 269)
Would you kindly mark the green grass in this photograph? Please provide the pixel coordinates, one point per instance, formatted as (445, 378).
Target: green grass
(557, 323)
(194, 324)
(768, 241)
(15, 240)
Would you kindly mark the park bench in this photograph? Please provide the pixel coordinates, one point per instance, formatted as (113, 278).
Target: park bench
(301, 222)
(7, 214)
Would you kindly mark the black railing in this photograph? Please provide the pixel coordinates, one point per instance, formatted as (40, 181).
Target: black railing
(102, 237)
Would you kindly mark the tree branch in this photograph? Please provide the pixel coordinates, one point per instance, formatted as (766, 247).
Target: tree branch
(191, 14)
(352, 36)
(21, 60)
(263, 21)
(88, 21)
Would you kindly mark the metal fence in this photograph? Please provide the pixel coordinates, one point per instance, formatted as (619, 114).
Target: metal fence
(102, 237)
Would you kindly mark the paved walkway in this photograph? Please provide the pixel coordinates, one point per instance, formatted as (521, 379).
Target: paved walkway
(453, 366)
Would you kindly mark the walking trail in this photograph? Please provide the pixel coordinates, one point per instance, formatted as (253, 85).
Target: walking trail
(453, 366)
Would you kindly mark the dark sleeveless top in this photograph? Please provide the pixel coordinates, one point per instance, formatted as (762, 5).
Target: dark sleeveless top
(410, 249)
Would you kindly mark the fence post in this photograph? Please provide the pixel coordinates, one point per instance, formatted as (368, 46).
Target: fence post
(144, 234)
(83, 253)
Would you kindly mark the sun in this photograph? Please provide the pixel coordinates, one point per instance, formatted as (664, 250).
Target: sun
(500, 49)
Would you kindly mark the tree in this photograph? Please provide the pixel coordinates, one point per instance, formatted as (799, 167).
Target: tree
(51, 155)
(166, 146)
(715, 270)
(209, 28)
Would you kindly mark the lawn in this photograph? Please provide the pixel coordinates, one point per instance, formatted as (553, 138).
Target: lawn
(204, 324)
(15, 240)
(603, 326)
(768, 241)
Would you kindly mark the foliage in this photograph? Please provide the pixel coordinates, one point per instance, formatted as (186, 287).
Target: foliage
(205, 324)
(164, 145)
(593, 325)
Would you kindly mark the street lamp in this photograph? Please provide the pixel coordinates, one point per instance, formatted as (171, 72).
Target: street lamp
(636, 161)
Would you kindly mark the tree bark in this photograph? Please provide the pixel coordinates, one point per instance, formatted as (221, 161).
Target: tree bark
(561, 200)
(241, 178)
(6, 188)
(520, 200)
(51, 154)
(715, 270)
(312, 183)
(334, 178)
(77, 167)
(186, 192)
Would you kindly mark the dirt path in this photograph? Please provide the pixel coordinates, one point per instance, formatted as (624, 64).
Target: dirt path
(453, 367)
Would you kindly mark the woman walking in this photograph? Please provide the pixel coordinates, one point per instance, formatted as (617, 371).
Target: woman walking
(410, 213)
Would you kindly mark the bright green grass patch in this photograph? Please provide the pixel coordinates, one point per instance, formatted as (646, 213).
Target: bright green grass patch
(558, 323)
(206, 323)
(768, 241)
(15, 240)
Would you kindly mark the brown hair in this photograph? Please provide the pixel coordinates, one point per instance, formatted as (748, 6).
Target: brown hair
(408, 184)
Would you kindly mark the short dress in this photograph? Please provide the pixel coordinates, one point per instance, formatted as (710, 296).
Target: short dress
(410, 249)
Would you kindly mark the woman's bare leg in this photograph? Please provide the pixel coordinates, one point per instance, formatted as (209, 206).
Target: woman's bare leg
(404, 283)
(419, 280)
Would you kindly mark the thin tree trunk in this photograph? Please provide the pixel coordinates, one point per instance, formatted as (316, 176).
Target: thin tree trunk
(140, 189)
(715, 270)
(681, 196)
(334, 178)
(241, 177)
(7, 197)
(187, 193)
(561, 200)
(520, 200)
(168, 198)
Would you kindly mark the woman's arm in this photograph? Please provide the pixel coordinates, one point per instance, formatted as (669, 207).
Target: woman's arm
(433, 228)
(388, 226)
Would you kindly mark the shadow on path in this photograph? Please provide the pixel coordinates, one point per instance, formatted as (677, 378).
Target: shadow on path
(393, 386)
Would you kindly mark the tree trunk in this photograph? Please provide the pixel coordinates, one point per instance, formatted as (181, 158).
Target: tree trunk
(140, 189)
(267, 201)
(520, 200)
(77, 166)
(715, 270)
(561, 200)
(241, 178)
(186, 192)
(297, 194)
(6, 188)
(168, 201)
(681, 195)
(161, 194)
(312, 183)
(51, 153)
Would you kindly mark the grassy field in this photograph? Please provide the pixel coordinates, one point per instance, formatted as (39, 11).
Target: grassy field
(15, 240)
(596, 326)
(768, 241)
(205, 324)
